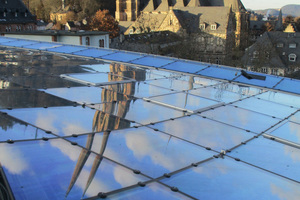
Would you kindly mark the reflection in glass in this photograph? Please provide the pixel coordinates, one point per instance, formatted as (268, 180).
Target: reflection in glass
(229, 179)
(289, 131)
(282, 98)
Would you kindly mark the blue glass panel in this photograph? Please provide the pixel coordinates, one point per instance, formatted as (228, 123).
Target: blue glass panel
(43, 45)
(241, 118)
(67, 49)
(12, 129)
(184, 101)
(94, 78)
(105, 68)
(266, 107)
(217, 93)
(123, 57)
(86, 95)
(70, 120)
(295, 117)
(220, 72)
(5, 39)
(20, 43)
(153, 61)
(200, 81)
(153, 153)
(95, 53)
(138, 89)
(205, 132)
(228, 179)
(289, 85)
(271, 155)
(282, 98)
(139, 111)
(188, 67)
(151, 191)
(289, 131)
(174, 84)
(56, 169)
(270, 81)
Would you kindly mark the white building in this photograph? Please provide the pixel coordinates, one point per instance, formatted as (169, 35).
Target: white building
(88, 38)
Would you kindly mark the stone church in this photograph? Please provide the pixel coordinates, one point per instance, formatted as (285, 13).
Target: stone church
(216, 26)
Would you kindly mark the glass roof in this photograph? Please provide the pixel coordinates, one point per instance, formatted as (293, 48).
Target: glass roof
(91, 123)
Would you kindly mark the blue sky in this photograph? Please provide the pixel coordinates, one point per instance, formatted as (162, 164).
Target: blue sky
(264, 4)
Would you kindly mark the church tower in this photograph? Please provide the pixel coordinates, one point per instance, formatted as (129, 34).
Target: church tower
(127, 10)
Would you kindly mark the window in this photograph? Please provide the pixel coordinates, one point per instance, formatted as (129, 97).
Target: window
(279, 45)
(255, 54)
(202, 26)
(267, 54)
(291, 34)
(4, 14)
(26, 13)
(292, 57)
(16, 14)
(264, 70)
(87, 41)
(275, 71)
(292, 45)
(101, 43)
(213, 27)
(131, 31)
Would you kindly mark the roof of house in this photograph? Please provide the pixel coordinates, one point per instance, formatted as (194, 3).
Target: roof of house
(15, 12)
(127, 125)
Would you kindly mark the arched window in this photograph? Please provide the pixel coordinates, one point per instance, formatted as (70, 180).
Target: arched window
(101, 43)
(87, 41)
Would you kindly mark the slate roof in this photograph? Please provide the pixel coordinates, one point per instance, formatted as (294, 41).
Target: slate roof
(11, 8)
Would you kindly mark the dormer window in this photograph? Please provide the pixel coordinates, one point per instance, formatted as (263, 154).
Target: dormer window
(292, 45)
(202, 26)
(213, 27)
(292, 57)
(5, 2)
(255, 54)
(280, 45)
(26, 13)
(4, 14)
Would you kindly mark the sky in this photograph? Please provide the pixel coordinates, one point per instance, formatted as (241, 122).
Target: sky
(264, 4)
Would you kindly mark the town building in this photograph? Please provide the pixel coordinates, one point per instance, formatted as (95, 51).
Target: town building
(88, 38)
(14, 16)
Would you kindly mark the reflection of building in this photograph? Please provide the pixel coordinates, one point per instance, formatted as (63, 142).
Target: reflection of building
(14, 16)
(118, 102)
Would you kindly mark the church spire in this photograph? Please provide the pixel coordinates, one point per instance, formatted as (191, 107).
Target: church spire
(279, 25)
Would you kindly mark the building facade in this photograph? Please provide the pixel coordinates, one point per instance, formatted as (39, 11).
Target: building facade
(14, 16)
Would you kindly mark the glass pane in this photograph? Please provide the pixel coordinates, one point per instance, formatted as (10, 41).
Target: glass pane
(188, 67)
(139, 111)
(104, 68)
(87, 95)
(35, 169)
(42, 45)
(295, 117)
(29, 98)
(241, 118)
(95, 53)
(204, 132)
(65, 121)
(5, 39)
(123, 57)
(138, 89)
(12, 129)
(289, 85)
(153, 61)
(151, 191)
(289, 131)
(174, 84)
(153, 153)
(278, 97)
(274, 156)
(39, 82)
(265, 107)
(199, 81)
(218, 94)
(229, 179)
(270, 81)
(240, 89)
(220, 72)
(20, 43)
(184, 101)
(95, 78)
(67, 49)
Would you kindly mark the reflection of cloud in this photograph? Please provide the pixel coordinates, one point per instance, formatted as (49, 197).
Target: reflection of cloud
(46, 122)
(291, 192)
(292, 152)
(71, 128)
(66, 148)
(213, 171)
(13, 160)
(295, 130)
(124, 177)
